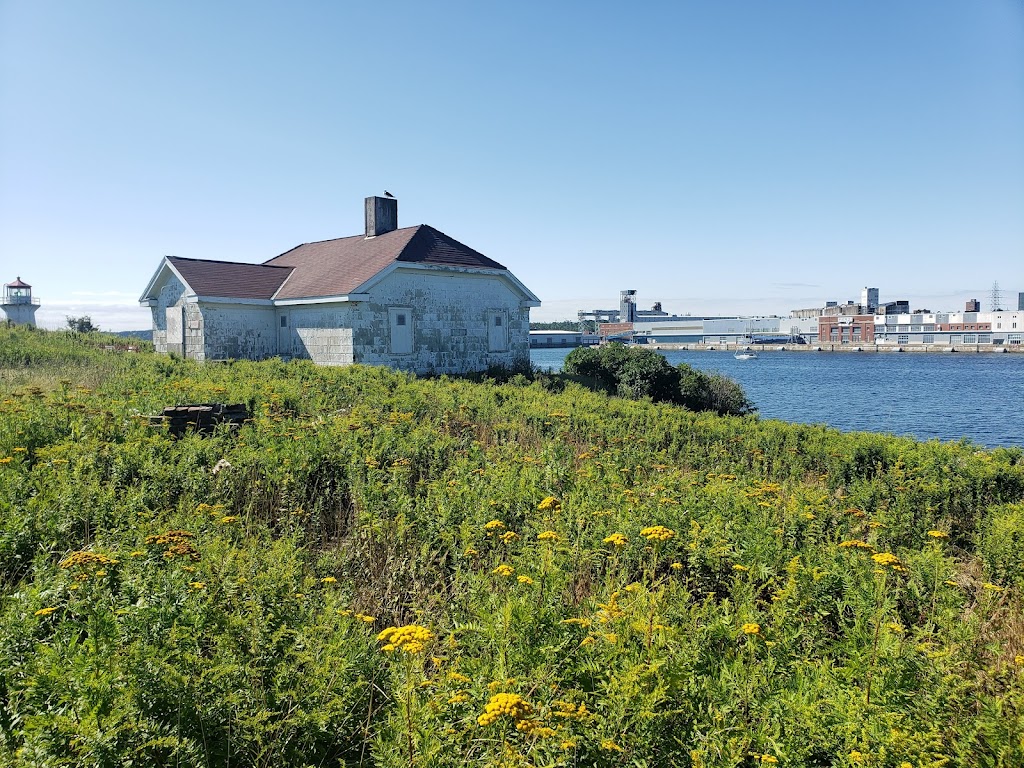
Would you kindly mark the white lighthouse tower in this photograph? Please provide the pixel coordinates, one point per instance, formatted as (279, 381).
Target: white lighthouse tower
(18, 304)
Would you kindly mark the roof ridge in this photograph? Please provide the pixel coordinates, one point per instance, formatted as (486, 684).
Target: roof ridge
(231, 263)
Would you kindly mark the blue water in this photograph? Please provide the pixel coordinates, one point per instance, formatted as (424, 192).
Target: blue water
(945, 396)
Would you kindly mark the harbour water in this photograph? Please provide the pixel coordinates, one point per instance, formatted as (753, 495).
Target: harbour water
(979, 397)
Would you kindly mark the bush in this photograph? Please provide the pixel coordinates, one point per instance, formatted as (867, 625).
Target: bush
(637, 373)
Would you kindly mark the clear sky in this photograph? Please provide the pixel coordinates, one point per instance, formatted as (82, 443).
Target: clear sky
(721, 157)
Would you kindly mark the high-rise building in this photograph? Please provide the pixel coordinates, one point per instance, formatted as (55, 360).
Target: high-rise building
(1020, 301)
(869, 299)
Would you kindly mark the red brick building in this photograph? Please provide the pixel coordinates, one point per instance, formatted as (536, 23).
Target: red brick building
(846, 329)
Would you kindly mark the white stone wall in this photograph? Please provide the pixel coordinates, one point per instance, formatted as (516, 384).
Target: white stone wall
(449, 322)
(171, 295)
(237, 331)
(318, 332)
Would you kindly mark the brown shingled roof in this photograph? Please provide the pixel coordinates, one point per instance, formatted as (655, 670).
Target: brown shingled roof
(338, 267)
(230, 279)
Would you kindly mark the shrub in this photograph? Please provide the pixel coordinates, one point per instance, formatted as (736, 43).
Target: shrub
(637, 373)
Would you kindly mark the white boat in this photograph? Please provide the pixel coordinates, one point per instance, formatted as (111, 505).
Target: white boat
(746, 356)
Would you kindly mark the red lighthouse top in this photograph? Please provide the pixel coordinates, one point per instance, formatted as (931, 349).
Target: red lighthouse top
(18, 283)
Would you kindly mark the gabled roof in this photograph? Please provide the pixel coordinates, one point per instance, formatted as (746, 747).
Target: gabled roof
(338, 267)
(327, 269)
(230, 279)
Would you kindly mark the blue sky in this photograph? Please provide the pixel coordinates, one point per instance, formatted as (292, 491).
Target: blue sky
(721, 157)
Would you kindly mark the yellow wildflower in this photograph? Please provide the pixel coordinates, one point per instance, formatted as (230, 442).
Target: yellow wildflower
(751, 628)
(887, 558)
(505, 704)
(458, 677)
(524, 580)
(856, 543)
(504, 570)
(44, 611)
(494, 525)
(198, 585)
(547, 536)
(657, 533)
(618, 540)
(677, 566)
(509, 536)
(329, 580)
(738, 567)
(610, 746)
(458, 698)
(992, 587)
(411, 638)
(938, 534)
(550, 503)
(769, 760)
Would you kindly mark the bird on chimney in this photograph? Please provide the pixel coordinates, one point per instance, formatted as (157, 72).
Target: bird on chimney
(387, 194)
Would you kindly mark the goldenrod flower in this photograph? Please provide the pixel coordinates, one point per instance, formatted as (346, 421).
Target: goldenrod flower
(505, 704)
(504, 570)
(618, 540)
(609, 745)
(509, 536)
(887, 558)
(676, 566)
(198, 585)
(857, 543)
(84, 559)
(458, 677)
(938, 534)
(494, 525)
(657, 533)
(524, 580)
(458, 698)
(738, 567)
(411, 638)
(329, 580)
(547, 536)
(992, 587)
(769, 760)
(751, 628)
(550, 503)
(44, 611)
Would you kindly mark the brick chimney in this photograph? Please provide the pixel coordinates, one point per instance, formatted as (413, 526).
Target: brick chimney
(381, 215)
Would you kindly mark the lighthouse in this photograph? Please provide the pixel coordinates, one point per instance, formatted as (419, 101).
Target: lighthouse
(18, 304)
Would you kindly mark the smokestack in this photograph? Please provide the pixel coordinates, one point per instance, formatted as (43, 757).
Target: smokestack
(381, 215)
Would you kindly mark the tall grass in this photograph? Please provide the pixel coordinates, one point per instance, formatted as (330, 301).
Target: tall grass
(585, 580)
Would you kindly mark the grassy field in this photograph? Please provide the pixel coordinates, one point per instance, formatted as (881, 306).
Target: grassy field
(380, 570)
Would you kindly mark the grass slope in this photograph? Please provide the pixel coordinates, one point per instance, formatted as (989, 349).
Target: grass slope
(385, 571)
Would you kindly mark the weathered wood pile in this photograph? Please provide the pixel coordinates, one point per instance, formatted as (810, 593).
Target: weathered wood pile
(202, 417)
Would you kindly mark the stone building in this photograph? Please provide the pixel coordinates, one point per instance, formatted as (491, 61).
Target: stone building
(411, 298)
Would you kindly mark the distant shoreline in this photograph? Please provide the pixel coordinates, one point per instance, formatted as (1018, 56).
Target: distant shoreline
(971, 349)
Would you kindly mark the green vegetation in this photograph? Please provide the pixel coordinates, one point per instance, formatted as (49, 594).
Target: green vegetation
(380, 570)
(638, 372)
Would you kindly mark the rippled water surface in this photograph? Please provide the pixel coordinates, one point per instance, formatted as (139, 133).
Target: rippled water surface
(945, 396)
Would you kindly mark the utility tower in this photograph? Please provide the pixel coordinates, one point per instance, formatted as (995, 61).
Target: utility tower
(997, 298)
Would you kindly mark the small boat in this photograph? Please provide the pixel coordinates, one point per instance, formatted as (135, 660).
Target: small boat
(746, 356)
